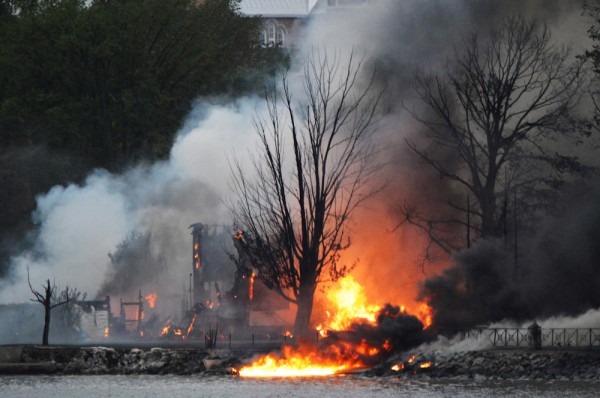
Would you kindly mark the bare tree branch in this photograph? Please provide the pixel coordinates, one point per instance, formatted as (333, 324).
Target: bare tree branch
(495, 107)
(313, 169)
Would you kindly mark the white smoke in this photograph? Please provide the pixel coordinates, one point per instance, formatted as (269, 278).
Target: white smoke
(474, 340)
(80, 224)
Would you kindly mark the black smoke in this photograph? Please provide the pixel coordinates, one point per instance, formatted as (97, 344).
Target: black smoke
(556, 270)
(394, 331)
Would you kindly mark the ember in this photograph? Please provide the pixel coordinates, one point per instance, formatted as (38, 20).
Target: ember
(151, 299)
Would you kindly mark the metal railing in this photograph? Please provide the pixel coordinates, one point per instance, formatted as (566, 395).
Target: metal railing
(550, 337)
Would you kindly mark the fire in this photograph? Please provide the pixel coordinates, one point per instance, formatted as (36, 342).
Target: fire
(425, 314)
(106, 331)
(191, 327)
(398, 367)
(299, 363)
(251, 286)
(351, 305)
(425, 365)
(351, 302)
(196, 255)
(151, 299)
(347, 305)
(165, 330)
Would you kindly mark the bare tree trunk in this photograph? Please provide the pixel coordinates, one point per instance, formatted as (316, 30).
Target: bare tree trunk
(46, 300)
(304, 311)
(294, 211)
(47, 312)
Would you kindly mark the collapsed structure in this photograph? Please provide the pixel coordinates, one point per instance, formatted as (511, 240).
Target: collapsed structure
(223, 297)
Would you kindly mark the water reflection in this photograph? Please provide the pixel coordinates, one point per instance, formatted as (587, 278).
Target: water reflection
(348, 386)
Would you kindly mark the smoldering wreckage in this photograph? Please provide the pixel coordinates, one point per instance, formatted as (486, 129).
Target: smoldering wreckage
(236, 332)
(219, 328)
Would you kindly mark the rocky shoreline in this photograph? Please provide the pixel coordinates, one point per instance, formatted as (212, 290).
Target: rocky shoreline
(490, 364)
(496, 365)
(108, 360)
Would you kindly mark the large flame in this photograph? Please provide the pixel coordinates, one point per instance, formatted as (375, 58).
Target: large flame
(306, 362)
(347, 304)
(385, 273)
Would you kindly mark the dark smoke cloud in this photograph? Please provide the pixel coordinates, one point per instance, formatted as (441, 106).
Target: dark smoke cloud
(557, 271)
(424, 34)
(393, 328)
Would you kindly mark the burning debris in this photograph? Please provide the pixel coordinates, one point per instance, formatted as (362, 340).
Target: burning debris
(356, 336)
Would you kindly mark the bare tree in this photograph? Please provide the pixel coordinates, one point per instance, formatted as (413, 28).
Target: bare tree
(46, 299)
(494, 111)
(295, 209)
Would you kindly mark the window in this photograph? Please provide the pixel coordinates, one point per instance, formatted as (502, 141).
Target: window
(263, 38)
(281, 38)
(272, 34)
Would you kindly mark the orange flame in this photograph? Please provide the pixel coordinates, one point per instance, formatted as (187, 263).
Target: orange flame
(299, 363)
(191, 327)
(196, 255)
(349, 298)
(425, 365)
(251, 286)
(151, 299)
(106, 332)
(165, 330)
(398, 367)
(425, 314)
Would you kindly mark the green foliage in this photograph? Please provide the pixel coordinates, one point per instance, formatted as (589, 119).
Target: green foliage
(110, 81)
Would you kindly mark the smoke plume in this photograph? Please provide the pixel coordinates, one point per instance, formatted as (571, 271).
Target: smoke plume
(80, 224)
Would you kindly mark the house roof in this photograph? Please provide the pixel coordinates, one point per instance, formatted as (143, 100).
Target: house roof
(277, 8)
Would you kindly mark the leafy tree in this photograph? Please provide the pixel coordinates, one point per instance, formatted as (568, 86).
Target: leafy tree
(111, 80)
(313, 165)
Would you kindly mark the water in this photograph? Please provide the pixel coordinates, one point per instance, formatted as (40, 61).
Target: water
(343, 386)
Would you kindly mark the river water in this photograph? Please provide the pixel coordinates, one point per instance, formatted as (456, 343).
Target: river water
(341, 386)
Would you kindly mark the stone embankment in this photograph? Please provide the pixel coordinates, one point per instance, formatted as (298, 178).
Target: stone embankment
(497, 364)
(106, 360)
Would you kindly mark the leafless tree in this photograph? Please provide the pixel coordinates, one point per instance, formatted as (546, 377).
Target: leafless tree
(311, 172)
(494, 111)
(46, 299)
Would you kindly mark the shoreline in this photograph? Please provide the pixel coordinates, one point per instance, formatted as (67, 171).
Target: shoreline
(99, 360)
(497, 364)
(491, 364)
